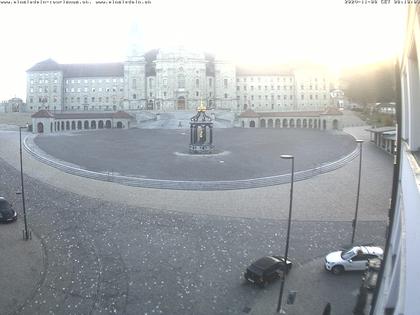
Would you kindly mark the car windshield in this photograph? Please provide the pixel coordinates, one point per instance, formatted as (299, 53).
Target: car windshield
(348, 254)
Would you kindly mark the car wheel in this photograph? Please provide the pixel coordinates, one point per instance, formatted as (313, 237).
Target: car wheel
(337, 270)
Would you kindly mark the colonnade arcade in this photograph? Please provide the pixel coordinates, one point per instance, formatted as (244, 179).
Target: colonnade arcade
(313, 123)
(64, 125)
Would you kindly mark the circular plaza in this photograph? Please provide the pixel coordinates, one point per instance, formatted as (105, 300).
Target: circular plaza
(162, 154)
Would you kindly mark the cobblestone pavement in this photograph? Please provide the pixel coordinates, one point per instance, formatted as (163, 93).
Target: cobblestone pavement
(113, 249)
(109, 258)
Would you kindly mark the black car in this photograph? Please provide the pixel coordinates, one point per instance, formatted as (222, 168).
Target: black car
(7, 214)
(267, 269)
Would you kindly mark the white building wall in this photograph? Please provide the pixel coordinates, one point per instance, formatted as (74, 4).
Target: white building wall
(225, 85)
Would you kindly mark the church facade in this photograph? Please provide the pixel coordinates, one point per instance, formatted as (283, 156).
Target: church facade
(172, 80)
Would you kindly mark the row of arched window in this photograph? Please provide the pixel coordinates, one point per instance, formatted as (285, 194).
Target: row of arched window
(81, 125)
(293, 123)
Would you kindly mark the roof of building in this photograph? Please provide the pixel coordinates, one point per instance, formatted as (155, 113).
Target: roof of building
(382, 129)
(102, 115)
(249, 113)
(332, 111)
(115, 69)
(46, 65)
(290, 114)
(43, 113)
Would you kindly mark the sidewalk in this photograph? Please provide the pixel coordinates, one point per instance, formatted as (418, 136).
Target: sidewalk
(22, 266)
(315, 288)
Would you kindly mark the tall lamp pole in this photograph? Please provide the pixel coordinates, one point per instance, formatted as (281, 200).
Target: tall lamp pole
(360, 142)
(287, 157)
(26, 234)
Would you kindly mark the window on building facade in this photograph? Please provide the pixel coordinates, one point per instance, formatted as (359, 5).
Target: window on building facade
(32, 90)
(150, 83)
(181, 81)
(210, 82)
(78, 100)
(134, 96)
(93, 98)
(85, 99)
(114, 80)
(40, 90)
(99, 99)
(55, 99)
(72, 81)
(72, 99)
(134, 84)
(197, 83)
(302, 97)
(259, 87)
(31, 100)
(85, 89)
(86, 81)
(225, 83)
(78, 89)
(226, 96)
(78, 81)
(238, 88)
(107, 99)
(107, 89)
(164, 94)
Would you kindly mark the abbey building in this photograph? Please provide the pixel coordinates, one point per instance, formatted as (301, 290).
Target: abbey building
(173, 80)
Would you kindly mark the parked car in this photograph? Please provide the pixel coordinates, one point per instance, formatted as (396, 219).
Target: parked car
(267, 269)
(354, 258)
(7, 214)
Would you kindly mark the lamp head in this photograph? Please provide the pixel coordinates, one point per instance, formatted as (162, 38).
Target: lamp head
(359, 141)
(287, 156)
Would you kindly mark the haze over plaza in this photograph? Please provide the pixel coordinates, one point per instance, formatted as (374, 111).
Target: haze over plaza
(329, 33)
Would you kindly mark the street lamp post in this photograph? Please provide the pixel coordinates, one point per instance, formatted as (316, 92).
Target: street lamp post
(287, 157)
(26, 234)
(354, 222)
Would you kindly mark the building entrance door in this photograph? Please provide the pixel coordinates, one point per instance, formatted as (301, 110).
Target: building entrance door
(180, 105)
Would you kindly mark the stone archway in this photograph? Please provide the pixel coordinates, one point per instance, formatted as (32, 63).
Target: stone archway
(292, 123)
(108, 124)
(86, 124)
(93, 124)
(101, 124)
(262, 123)
(298, 123)
(180, 103)
(119, 124)
(277, 123)
(40, 127)
(285, 124)
(335, 124)
(73, 125)
(67, 125)
(270, 123)
(79, 125)
(324, 124)
(252, 124)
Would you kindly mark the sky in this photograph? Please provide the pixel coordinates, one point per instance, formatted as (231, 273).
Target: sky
(327, 32)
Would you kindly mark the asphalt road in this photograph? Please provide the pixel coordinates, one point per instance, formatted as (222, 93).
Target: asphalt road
(163, 153)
